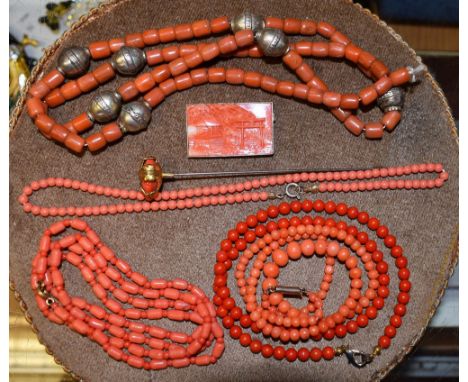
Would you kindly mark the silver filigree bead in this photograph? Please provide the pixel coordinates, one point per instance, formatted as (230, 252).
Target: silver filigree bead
(272, 42)
(416, 74)
(128, 60)
(73, 61)
(247, 21)
(392, 100)
(105, 106)
(134, 117)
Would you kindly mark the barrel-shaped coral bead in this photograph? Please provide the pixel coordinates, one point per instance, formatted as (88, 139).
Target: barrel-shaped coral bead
(44, 123)
(220, 24)
(336, 50)
(210, 51)
(234, 76)
(115, 44)
(320, 49)
(81, 123)
(400, 76)
(70, 90)
(87, 82)
(201, 28)
(178, 66)
(99, 49)
(135, 40)
(379, 69)
(391, 119)
(154, 97)
(368, 95)
(200, 76)
(96, 142)
(300, 91)
(194, 59)
(354, 125)
(111, 132)
(244, 38)
(144, 82)
(59, 133)
(53, 79)
(168, 87)
(374, 130)
(252, 79)
(39, 89)
(269, 84)
(331, 99)
(150, 36)
(161, 73)
(104, 73)
(285, 88)
(349, 101)
(305, 72)
(352, 52)
(128, 91)
(216, 75)
(74, 143)
(55, 98)
(383, 85)
(292, 60)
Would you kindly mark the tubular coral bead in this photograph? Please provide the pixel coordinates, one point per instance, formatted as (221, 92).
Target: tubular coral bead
(352, 52)
(35, 107)
(81, 123)
(379, 69)
(292, 26)
(194, 59)
(154, 97)
(199, 76)
(325, 29)
(55, 98)
(167, 34)
(244, 38)
(210, 51)
(87, 82)
(99, 49)
(74, 143)
(383, 85)
(104, 73)
(70, 90)
(354, 125)
(178, 66)
(336, 50)
(368, 95)
(144, 82)
(234, 76)
(168, 87)
(201, 28)
(391, 119)
(151, 37)
(365, 59)
(216, 75)
(292, 60)
(115, 44)
(53, 79)
(111, 132)
(331, 99)
(349, 101)
(183, 82)
(135, 40)
(39, 89)
(227, 45)
(154, 57)
(128, 91)
(285, 88)
(170, 53)
(374, 130)
(400, 76)
(161, 73)
(59, 133)
(308, 28)
(320, 49)
(274, 22)
(220, 24)
(269, 84)
(305, 72)
(252, 79)
(96, 142)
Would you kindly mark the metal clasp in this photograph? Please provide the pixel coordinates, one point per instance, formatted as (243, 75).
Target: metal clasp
(358, 358)
(42, 292)
(289, 291)
(294, 191)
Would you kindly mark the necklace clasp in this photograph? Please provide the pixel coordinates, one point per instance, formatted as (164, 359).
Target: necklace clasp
(294, 191)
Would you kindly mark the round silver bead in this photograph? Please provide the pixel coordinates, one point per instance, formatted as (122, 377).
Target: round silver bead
(272, 42)
(105, 106)
(134, 117)
(247, 21)
(128, 60)
(392, 100)
(73, 61)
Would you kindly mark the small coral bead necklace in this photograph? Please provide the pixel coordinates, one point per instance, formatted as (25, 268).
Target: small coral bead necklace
(150, 198)
(180, 67)
(269, 245)
(119, 330)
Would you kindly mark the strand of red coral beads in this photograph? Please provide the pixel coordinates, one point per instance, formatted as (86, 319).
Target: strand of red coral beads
(232, 193)
(176, 70)
(122, 331)
(267, 245)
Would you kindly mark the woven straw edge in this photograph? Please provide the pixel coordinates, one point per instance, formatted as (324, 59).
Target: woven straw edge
(453, 250)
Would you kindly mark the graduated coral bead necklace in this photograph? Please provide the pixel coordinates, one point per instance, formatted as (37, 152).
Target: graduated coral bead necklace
(178, 68)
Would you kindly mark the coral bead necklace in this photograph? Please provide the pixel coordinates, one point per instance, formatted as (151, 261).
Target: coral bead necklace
(116, 328)
(267, 245)
(150, 198)
(180, 67)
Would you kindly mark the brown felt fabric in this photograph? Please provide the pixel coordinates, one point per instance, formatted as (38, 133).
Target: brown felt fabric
(184, 243)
